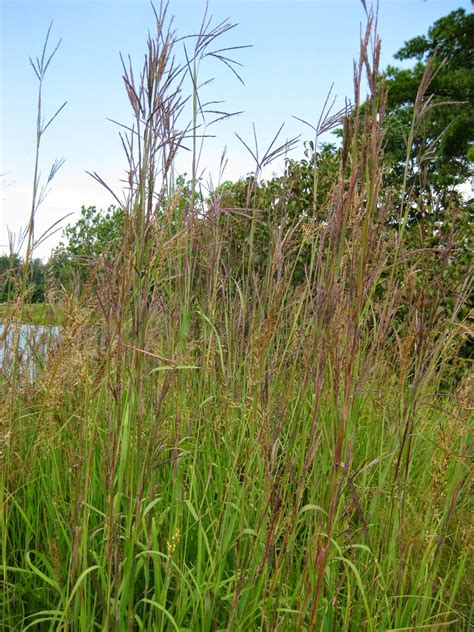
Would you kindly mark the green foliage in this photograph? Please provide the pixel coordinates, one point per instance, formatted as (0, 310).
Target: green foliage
(10, 276)
(440, 125)
(32, 313)
(96, 234)
(443, 142)
(253, 214)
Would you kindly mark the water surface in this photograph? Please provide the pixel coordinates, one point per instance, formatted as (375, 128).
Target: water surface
(33, 345)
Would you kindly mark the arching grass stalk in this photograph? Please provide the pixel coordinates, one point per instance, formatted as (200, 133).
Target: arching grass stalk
(39, 192)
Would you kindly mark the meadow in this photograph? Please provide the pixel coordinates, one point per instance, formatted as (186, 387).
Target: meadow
(217, 443)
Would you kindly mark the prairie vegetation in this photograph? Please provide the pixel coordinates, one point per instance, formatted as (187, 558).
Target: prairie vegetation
(249, 421)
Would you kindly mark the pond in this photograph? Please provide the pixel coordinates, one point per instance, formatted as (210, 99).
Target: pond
(34, 342)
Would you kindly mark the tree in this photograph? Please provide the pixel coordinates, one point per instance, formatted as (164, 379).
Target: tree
(442, 147)
(96, 233)
(9, 275)
(290, 204)
(429, 146)
(10, 279)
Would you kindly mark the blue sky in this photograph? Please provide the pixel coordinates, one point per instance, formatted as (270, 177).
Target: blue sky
(299, 48)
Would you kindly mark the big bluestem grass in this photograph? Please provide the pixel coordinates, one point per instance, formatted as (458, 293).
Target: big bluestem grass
(13, 339)
(215, 447)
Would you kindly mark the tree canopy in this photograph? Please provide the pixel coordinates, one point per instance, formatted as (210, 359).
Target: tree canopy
(443, 142)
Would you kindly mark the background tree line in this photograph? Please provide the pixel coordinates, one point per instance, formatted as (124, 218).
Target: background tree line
(428, 152)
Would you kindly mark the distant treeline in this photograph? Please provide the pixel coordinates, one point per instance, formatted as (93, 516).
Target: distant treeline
(10, 274)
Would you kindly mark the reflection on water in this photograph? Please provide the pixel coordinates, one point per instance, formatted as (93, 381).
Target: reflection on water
(33, 344)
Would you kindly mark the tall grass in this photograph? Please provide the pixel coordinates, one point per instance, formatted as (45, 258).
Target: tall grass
(216, 447)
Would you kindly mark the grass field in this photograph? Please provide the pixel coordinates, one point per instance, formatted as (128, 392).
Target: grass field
(33, 313)
(215, 445)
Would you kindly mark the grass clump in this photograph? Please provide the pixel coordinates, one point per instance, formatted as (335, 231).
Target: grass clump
(212, 446)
